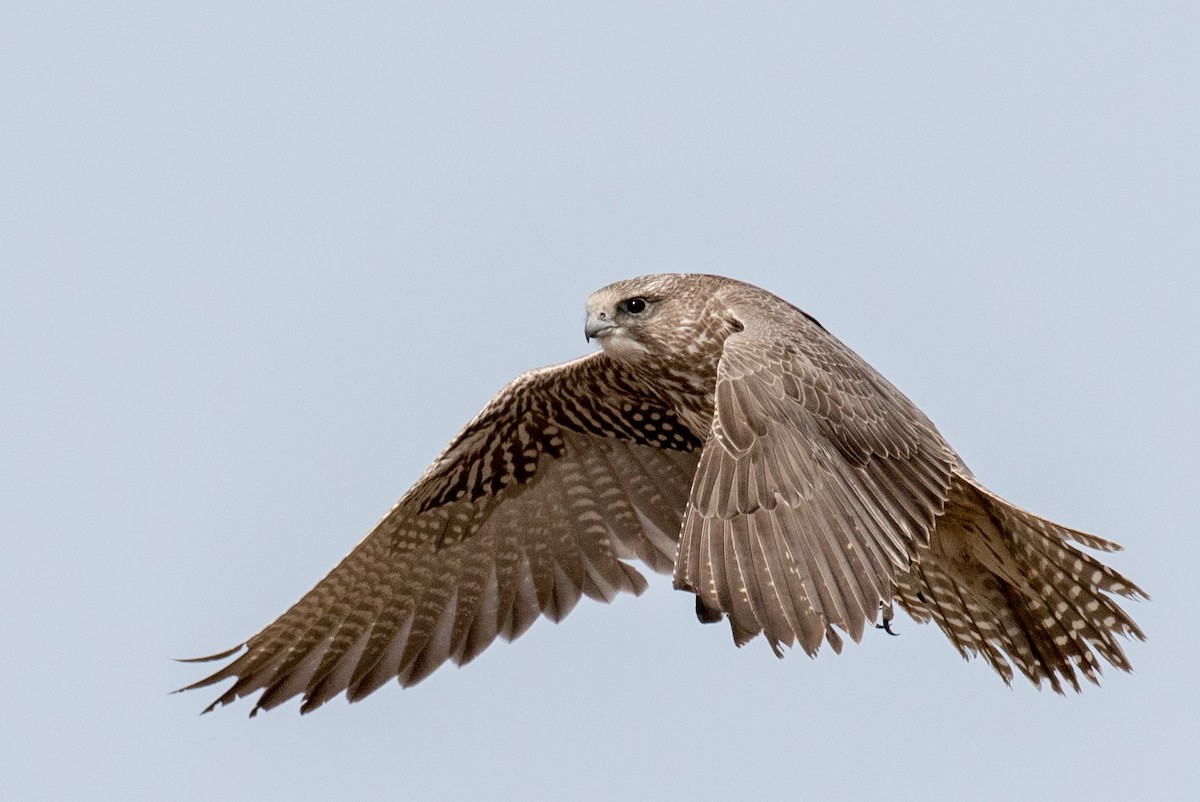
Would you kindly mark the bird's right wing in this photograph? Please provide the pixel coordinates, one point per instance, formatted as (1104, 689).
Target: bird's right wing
(566, 473)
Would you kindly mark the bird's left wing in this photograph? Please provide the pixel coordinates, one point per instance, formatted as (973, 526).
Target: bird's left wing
(816, 485)
(564, 474)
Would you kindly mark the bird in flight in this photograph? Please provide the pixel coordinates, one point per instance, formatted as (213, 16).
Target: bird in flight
(721, 435)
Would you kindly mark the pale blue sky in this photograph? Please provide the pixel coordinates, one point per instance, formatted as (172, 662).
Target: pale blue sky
(260, 263)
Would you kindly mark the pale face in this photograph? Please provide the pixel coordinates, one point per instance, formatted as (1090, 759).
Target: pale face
(624, 316)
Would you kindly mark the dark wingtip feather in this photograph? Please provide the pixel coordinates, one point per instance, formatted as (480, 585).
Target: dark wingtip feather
(210, 658)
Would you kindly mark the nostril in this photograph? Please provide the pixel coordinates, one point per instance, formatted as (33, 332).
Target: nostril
(603, 315)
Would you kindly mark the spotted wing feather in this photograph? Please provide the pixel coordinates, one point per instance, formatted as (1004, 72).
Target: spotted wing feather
(815, 490)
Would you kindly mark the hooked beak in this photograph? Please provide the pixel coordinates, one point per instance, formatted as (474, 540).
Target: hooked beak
(597, 326)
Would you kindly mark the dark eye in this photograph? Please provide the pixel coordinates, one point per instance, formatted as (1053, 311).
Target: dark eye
(634, 306)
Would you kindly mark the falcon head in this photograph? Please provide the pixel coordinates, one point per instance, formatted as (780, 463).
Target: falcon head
(650, 315)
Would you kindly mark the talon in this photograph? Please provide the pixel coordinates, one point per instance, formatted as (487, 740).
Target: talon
(886, 613)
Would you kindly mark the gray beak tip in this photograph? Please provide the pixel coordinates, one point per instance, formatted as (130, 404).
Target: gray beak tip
(596, 327)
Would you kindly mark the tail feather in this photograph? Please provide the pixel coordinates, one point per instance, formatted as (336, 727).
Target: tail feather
(1010, 587)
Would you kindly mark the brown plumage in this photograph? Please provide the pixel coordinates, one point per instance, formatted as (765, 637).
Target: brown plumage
(723, 434)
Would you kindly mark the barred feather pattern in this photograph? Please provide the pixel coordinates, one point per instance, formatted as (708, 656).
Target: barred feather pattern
(1010, 587)
(453, 566)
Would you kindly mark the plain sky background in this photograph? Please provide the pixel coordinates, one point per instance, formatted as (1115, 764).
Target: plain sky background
(261, 261)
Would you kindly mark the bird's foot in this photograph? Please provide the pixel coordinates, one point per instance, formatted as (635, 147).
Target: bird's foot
(886, 626)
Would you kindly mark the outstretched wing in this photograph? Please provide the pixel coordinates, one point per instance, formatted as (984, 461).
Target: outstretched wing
(565, 474)
(817, 484)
